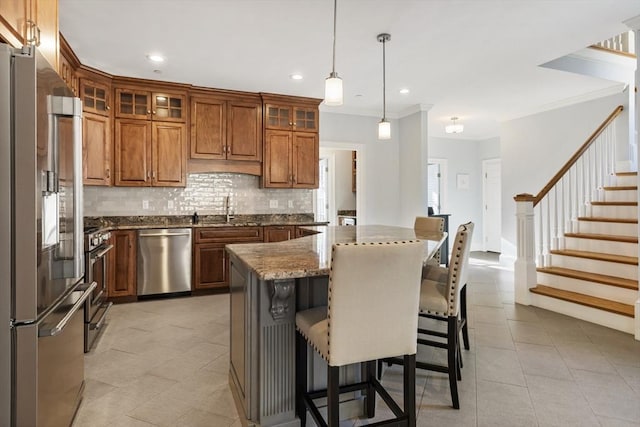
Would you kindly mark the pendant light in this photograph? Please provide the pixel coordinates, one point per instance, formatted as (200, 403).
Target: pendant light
(384, 127)
(333, 83)
(454, 127)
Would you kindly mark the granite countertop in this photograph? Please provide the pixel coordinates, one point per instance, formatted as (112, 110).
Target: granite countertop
(311, 255)
(186, 221)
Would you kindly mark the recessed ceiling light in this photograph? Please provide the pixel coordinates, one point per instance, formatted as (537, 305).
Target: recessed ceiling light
(155, 58)
(404, 91)
(295, 76)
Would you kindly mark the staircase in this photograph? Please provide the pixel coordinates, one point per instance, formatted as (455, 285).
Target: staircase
(594, 276)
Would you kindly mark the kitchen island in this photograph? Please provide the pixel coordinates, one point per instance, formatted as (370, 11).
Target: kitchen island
(269, 283)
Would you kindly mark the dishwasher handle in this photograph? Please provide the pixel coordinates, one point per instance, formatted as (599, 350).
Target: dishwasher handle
(164, 234)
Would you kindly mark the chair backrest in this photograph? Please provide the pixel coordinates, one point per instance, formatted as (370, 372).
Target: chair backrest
(458, 267)
(429, 224)
(374, 292)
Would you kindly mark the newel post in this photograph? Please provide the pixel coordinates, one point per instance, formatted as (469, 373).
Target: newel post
(525, 265)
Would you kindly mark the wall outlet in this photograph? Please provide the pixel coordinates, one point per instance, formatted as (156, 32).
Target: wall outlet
(273, 204)
(290, 203)
(170, 204)
(145, 204)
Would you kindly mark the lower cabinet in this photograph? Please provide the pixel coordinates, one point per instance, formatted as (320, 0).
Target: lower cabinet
(279, 233)
(122, 268)
(301, 232)
(210, 259)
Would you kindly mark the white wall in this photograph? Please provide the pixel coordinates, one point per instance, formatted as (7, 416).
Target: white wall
(464, 157)
(381, 199)
(413, 173)
(534, 148)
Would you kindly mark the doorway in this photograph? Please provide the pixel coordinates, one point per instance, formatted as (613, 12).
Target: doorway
(492, 201)
(436, 188)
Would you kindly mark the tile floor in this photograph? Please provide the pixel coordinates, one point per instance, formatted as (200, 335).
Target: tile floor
(164, 363)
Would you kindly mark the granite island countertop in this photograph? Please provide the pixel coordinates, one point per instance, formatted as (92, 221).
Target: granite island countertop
(311, 255)
(204, 221)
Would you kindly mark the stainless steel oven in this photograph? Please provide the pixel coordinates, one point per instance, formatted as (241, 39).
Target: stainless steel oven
(97, 253)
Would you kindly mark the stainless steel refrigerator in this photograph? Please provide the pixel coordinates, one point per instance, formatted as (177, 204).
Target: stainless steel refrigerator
(41, 244)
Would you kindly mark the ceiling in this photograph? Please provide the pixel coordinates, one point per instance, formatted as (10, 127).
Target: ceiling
(475, 59)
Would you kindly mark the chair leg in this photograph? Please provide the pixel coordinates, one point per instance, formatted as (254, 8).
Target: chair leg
(369, 375)
(333, 396)
(410, 389)
(463, 313)
(301, 377)
(458, 362)
(452, 353)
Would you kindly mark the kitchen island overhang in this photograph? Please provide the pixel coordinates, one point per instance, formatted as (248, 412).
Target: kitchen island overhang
(269, 282)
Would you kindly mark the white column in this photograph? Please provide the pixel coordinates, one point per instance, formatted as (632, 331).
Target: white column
(525, 265)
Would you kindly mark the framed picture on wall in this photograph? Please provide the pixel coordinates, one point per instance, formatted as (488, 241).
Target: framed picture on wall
(462, 181)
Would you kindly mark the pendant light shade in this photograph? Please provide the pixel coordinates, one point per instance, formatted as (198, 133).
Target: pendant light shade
(333, 90)
(454, 127)
(384, 127)
(333, 83)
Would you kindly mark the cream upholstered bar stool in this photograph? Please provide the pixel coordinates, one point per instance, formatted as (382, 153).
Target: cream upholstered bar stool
(440, 299)
(372, 313)
(426, 225)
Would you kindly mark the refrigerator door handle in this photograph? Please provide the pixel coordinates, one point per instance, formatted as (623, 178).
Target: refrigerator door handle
(60, 326)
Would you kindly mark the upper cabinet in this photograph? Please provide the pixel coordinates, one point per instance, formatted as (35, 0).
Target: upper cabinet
(68, 66)
(97, 123)
(31, 22)
(150, 147)
(226, 128)
(132, 103)
(291, 148)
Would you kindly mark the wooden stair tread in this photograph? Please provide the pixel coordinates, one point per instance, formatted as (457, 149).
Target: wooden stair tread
(611, 237)
(614, 203)
(621, 188)
(606, 219)
(597, 256)
(586, 300)
(627, 173)
(592, 277)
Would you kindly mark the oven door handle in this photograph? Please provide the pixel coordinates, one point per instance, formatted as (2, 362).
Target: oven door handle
(102, 252)
(62, 323)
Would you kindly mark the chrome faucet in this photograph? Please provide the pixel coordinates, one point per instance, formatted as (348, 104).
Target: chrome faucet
(227, 208)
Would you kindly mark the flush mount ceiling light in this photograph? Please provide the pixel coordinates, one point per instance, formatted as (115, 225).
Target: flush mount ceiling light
(384, 127)
(333, 83)
(454, 127)
(295, 76)
(404, 91)
(155, 58)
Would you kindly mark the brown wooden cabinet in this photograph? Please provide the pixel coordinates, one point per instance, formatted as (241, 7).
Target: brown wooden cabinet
(139, 103)
(150, 137)
(96, 96)
(291, 159)
(210, 259)
(291, 147)
(225, 129)
(96, 149)
(301, 231)
(31, 22)
(68, 65)
(279, 233)
(122, 264)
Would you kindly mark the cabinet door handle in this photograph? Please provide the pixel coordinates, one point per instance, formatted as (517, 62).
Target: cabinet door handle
(153, 112)
(148, 111)
(148, 174)
(108, 171)
(290, 123)
(108, 108)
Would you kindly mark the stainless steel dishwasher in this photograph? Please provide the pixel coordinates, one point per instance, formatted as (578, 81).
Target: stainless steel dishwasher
(164, 261)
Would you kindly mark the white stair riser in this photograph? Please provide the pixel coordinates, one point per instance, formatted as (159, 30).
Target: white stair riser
(621, 196)
(614, 293)
(593, 315)
(625, 212)
(614, 228)
(602, 246)
(625, 181)
(625, 271)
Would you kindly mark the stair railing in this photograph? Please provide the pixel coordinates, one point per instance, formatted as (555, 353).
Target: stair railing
(622, 43)
(543, 219)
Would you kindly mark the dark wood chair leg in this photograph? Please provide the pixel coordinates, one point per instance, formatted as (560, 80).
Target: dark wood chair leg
(463, 314)
(410, 389)
(333, 396)
(369, 375)
(301, 377)
(458, 362)
(452, 353)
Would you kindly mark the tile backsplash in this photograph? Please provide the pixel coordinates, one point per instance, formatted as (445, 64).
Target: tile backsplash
(204, 193)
